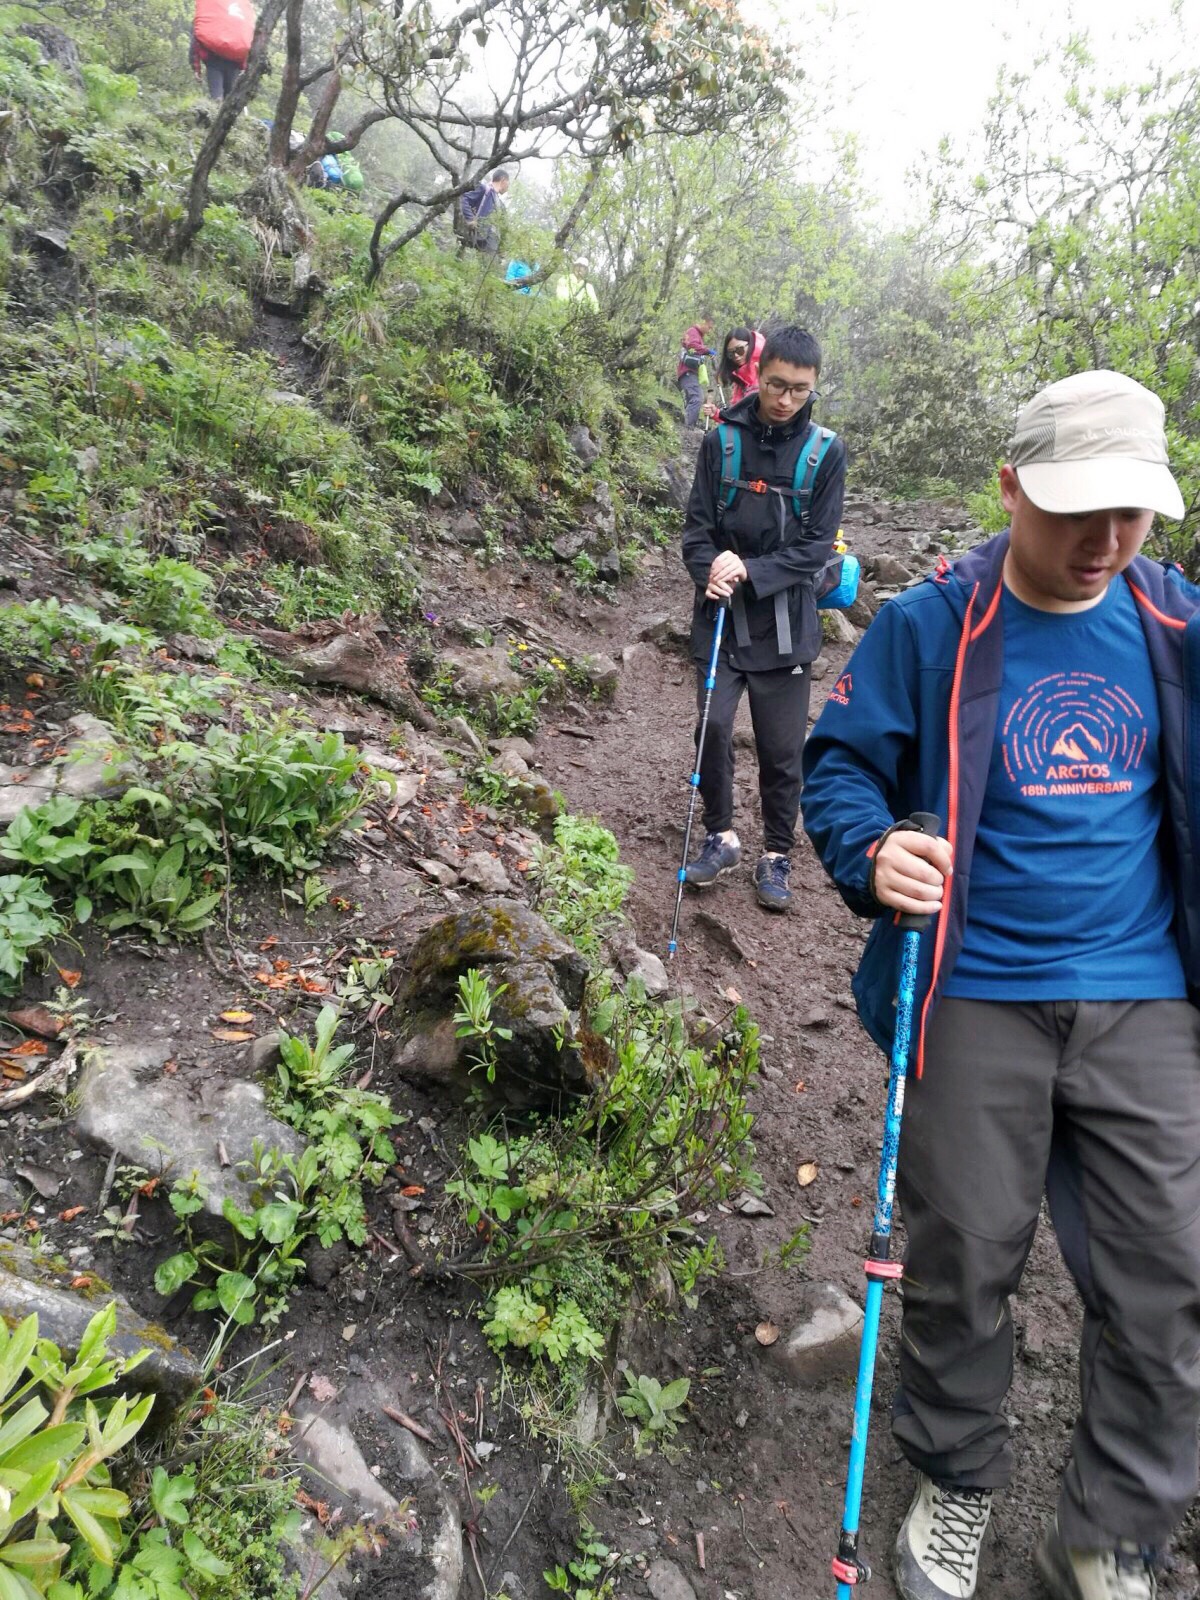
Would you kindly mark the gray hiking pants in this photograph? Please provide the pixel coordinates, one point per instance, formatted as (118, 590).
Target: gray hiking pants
(1099, 1105)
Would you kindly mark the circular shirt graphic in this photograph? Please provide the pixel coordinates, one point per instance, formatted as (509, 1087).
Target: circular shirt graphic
(1073, 727)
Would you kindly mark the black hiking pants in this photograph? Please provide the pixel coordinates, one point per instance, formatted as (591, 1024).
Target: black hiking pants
(1098, 1105)
(221, 75)
(779, 714)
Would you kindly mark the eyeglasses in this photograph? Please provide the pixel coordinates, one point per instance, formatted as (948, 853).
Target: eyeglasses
(738, 352)
(777, 388)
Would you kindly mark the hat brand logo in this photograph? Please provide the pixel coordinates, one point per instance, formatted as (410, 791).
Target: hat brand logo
(1094, 434)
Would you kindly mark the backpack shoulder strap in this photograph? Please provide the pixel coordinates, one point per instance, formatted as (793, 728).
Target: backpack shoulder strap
(808, 464)
(731, 466)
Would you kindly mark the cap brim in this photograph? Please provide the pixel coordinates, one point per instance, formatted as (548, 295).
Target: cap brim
(1073, 487)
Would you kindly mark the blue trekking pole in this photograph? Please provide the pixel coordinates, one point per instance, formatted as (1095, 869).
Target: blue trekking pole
(710, 684)
(879, 1266)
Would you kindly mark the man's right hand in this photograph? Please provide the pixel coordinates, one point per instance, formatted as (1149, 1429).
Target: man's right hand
(726, 572)
(910, 872)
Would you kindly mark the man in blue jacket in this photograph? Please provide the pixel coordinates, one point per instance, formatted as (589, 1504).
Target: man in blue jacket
(761, 522)
(1042, 694)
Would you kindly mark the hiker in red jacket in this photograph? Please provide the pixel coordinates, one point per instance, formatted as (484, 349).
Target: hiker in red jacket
(740, 356)
(692, 357)
(222, 33)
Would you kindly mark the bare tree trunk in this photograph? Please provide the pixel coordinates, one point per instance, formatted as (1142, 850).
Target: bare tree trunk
(314, 145)
(289, 89)
(231, 108)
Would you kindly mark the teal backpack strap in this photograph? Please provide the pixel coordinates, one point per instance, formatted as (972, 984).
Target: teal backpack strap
(731, 466)
(808, 464)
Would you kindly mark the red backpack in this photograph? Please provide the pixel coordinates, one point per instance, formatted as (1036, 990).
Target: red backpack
(225, 28)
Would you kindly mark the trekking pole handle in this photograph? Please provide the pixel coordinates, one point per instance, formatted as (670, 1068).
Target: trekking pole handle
(930, 823)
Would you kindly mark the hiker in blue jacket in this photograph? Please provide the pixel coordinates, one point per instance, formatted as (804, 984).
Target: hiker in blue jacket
(474, 208)
(1041, 693)
(761, 522)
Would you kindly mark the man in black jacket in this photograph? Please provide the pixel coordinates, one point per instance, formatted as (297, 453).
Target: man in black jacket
(761, 523)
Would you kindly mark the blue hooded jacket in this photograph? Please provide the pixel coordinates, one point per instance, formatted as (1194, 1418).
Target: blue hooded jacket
(910, 724)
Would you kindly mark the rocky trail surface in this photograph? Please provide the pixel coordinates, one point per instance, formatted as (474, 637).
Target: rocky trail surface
(391, 1397)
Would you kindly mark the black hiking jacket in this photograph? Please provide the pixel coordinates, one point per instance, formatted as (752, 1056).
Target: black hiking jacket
(751, 527)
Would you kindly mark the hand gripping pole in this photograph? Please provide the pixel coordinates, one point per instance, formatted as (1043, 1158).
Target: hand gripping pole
(847, 1568)
(710, 684)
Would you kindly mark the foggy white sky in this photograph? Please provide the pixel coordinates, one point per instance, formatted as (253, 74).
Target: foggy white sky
(900, 75)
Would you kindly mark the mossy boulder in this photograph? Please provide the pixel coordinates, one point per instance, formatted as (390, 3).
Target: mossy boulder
(537, 981)
(66, 1301)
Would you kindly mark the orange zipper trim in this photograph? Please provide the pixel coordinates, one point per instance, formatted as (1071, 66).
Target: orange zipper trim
(952, 810)
(1144, 599)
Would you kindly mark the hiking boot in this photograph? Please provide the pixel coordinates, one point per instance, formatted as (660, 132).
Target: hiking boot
(937, 1551)
(771, 883)
(1122, 1573)
(718, 855)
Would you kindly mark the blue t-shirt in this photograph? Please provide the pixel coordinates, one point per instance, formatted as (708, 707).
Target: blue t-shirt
(1069, 898)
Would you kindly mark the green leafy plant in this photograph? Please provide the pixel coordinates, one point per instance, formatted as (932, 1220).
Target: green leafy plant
(248, 1279)
(656, 1408)
(474, 1019)
(581, 881)
(592, 1574)
(59, 1509)
(157, 892)
(27, 920)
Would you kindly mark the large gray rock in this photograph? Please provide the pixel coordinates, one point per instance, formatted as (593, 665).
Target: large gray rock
(91, 767)
(603, 673)
(30, 1284)
(824, 1343)
(666, 631)
(666, 1581)
(479, 674)
(543, 978)
(178, 1126)
(581, 442)
(484, 871)
(893, 571)
(330, 1451)
(837, 626)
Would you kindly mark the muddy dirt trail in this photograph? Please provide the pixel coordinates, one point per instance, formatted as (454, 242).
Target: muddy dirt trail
(764, 1482)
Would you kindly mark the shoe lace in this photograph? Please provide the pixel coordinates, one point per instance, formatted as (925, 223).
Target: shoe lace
(960, 1518)
(778, 868)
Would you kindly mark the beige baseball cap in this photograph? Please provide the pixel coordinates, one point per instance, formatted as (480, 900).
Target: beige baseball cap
(1094, 442)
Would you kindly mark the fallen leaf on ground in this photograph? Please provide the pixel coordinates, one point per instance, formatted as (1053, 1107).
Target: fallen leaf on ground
(766, 1333)
(319, 1508)
(36, 1019)
(322, 1388)
(13, 1072)
(411, 1190)
(806, 1173)
(732, 995)
(237, 1016)
(314, 985)
(269, 942)
(71, 979)
(28, 1047)
(231, 1035)
(84, 1280)
(71, 1213)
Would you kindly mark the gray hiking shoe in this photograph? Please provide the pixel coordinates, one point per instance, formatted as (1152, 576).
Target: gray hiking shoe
(937, 1551)
(771, 883)
(1125, 1572)
(716, 856)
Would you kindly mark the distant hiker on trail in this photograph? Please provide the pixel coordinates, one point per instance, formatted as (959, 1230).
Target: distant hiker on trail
(474, 208)
(761, 523)
(693, 358)
(517, 275)
(740, 357)
(1042, 693)
(222, 33)
(574, 286)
